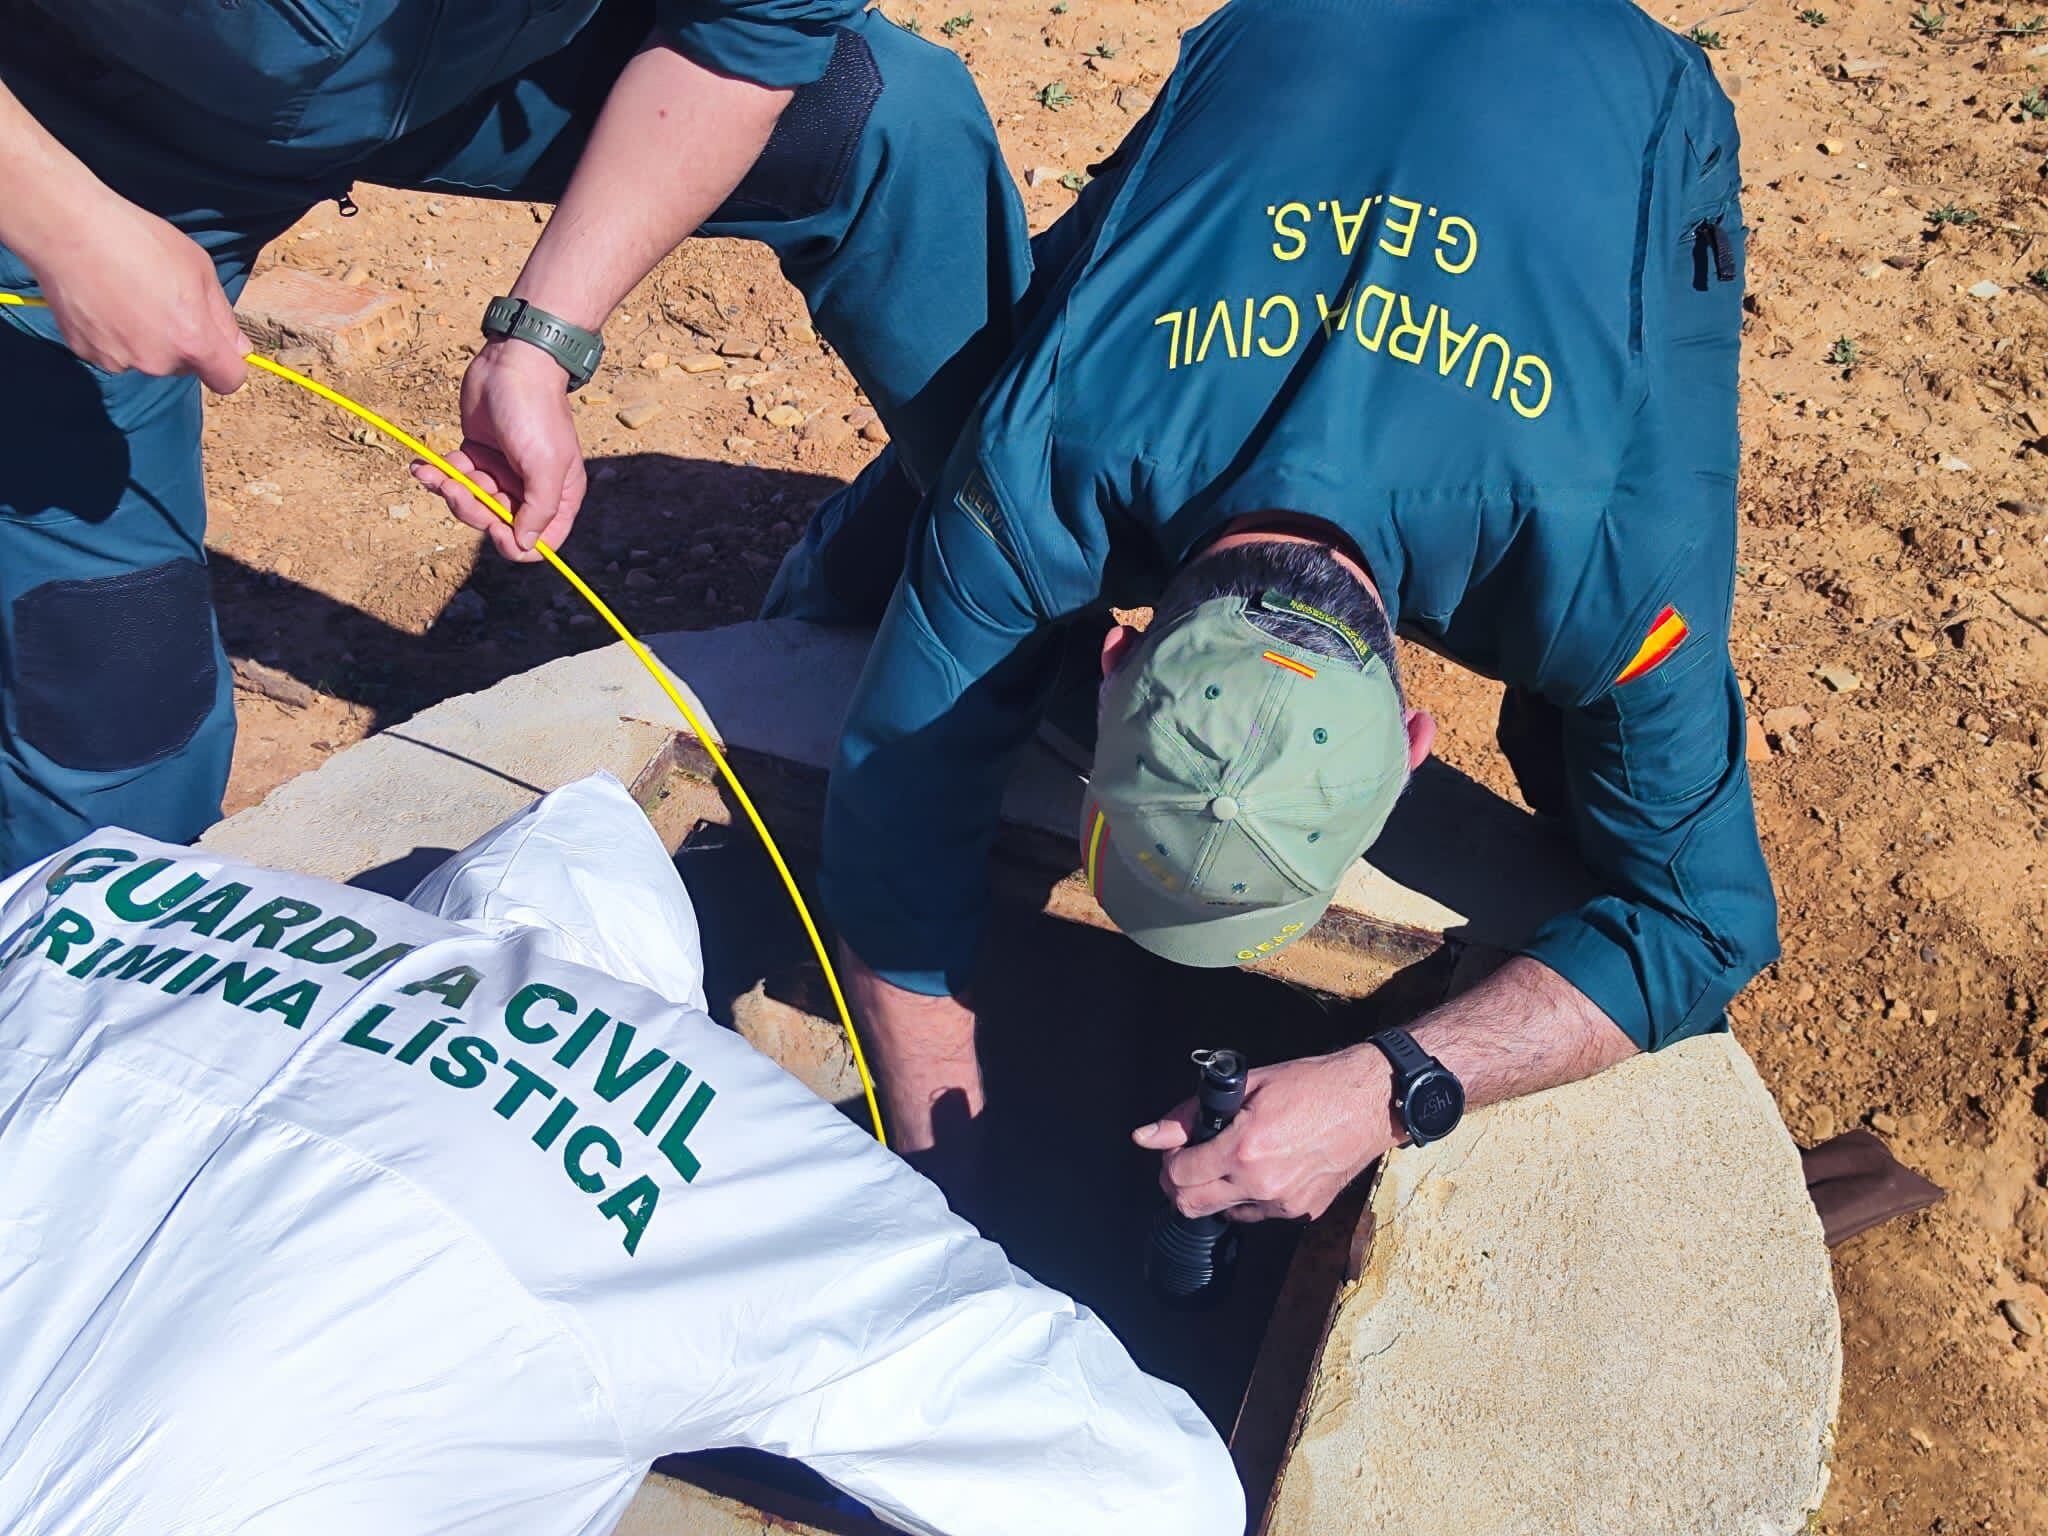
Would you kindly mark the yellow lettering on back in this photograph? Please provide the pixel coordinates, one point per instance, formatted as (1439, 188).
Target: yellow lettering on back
(1408, 328)
(1293, 325)
(1446, 356)
(1471, 242)
(1405, 231)
(1515, 395)
(1500, 380)
(1173, 344)
(1348, 224)
(1291, 232)
(1219, 311)
(1386, 296)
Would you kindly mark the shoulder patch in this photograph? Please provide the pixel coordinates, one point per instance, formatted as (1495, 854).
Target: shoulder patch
(1667, 633)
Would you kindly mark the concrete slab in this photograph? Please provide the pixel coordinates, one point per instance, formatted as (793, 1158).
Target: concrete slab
(1605, 1309)
(383, 809)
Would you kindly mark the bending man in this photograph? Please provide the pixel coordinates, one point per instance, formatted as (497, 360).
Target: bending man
(1427, 323)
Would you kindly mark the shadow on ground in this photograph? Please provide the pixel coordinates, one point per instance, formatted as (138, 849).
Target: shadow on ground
(670, 543)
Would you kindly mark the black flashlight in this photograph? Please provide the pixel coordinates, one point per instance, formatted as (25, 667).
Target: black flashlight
(1188, 1260)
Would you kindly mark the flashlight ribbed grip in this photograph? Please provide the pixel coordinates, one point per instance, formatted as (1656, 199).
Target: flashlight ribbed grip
(1188, 1259)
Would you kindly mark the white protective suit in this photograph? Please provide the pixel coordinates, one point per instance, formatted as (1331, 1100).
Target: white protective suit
(321, 1215)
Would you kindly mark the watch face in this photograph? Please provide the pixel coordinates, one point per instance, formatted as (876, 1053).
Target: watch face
(1435, 1103)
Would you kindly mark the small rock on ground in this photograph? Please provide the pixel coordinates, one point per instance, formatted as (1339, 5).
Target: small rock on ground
(272, 684)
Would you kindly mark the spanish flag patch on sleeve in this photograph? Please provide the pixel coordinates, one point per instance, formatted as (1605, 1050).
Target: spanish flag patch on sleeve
(1665, 636)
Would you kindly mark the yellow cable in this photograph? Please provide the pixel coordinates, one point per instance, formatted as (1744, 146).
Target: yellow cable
(690, 716)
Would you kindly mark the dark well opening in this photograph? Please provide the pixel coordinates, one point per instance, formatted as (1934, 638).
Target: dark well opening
(1083, 1036)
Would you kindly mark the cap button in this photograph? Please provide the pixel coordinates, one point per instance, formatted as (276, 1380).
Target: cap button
(1223, 808)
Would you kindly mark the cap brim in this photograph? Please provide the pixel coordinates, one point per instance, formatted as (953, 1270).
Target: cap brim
(1153, 920)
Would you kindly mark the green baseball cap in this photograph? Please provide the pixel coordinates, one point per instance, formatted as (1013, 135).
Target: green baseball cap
(1236, 778)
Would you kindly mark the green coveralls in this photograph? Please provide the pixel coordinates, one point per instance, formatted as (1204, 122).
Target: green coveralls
(882, 192)
(1460, 277)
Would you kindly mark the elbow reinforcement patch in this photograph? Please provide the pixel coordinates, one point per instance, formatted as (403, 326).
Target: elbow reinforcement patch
(118, 672)
(806, 158)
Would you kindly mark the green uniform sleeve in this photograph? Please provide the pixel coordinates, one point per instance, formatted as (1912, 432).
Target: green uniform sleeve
(1661, 812)
(951, 693)
(779, 43)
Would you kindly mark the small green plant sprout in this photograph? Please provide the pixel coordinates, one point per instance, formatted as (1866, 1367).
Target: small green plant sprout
(1060, 9)
(2038, 277)
(1952, 213)
(1928, 22)
(2034, 104)
(2033, 26)
(1844, 352)
(1074, 181)
(1706, 37)
(912, 25)
(953, 26)
(1054, 96)
(1104, 50)
(1814, 18)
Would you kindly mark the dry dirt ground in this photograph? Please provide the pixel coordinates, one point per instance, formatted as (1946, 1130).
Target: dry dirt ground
(1891, 624)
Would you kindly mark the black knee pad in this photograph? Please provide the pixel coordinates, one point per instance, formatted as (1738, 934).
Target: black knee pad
(115, 673)
(800, 171)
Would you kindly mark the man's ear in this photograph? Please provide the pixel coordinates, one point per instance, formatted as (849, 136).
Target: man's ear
(1421, 726)
(1118, 646)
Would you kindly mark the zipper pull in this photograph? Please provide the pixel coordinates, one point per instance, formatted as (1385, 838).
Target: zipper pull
(1716, 237)
(347, 205)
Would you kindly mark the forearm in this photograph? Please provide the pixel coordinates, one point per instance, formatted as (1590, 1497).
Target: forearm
(671, 143)
(1310, 1127)
(42, 186)
(1521, 1030)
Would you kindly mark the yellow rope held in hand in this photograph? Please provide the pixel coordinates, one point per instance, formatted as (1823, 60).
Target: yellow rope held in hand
(654, 670)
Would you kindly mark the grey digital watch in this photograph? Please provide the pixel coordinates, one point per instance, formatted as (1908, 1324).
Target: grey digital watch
(1427, 1094)
(577, 350)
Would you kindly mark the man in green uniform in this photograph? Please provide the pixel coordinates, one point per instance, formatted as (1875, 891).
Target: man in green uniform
(148, 150)
(1394, 313)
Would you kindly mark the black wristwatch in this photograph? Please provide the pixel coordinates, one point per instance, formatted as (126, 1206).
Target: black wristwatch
(1427, 1094)
(576, 349)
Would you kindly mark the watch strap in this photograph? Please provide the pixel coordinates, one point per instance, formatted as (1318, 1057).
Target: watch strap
(577, 350)
(1408, 1059)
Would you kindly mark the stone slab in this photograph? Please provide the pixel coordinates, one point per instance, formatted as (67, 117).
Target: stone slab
(1601, 1311)
(782, 688)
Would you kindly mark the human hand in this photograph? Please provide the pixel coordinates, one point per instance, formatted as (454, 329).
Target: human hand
(137, 294)
(1307, 1129)
(519, 443)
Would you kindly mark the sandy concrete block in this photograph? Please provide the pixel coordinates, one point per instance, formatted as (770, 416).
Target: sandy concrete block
(346, 323)
(812, 1050)
(1601, 1311)
(666, 1507)
(396, 804)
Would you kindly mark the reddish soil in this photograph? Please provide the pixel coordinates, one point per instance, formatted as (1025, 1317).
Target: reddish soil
(1891, 627)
